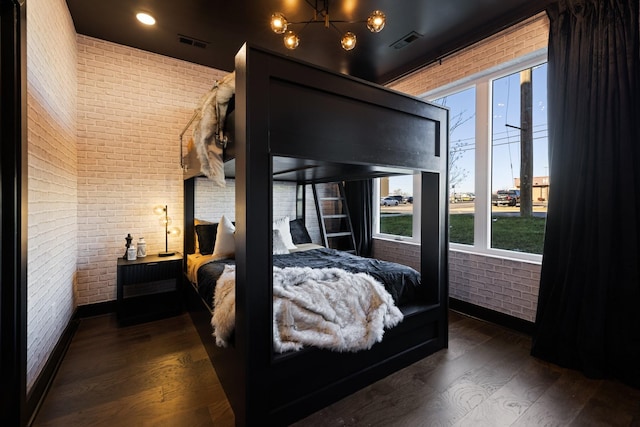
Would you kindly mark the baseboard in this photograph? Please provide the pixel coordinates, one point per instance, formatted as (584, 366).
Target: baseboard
(41, 386)
(97, 309)
(492, 316)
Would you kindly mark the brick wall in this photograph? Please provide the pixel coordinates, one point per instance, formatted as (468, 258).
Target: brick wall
(132, 106)
(395, 251)
(52, 171)
(504, 285)
(211, 202)
(509, 44)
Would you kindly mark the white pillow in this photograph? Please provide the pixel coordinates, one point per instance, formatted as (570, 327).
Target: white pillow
(282, 225)
(225, 246)
(279, 248)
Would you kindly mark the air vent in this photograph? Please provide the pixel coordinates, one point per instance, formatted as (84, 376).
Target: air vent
(409, 38)
(192, 41)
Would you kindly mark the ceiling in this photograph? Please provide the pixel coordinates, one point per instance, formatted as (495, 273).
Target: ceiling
(210, 32)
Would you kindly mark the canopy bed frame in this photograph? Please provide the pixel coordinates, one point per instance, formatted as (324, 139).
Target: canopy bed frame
(300, 123)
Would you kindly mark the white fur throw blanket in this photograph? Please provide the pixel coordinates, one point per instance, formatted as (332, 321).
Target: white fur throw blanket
(208, 130)
(328, 308)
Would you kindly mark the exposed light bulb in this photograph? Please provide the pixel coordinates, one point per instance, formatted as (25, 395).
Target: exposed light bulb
(376, 21)
(348, 41)
(159, 209)
(291, 40)
(278, 23)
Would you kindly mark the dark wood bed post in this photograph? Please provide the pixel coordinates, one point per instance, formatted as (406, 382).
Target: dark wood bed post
(433, 261)
(253, 224)
(189, 214)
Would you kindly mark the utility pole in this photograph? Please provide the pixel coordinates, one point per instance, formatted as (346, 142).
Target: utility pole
(526, 144)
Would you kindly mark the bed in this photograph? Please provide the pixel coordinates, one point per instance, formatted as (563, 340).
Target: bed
(298, 123)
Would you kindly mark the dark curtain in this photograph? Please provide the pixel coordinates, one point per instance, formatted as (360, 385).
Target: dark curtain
(588, 314)
(359, 196)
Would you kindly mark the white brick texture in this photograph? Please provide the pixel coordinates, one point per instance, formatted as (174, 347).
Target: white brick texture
(132, 106)
(52, 186)
(211, 202)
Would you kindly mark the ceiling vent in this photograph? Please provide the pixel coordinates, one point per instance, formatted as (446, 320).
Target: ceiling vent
(409, 38)
(192, 42)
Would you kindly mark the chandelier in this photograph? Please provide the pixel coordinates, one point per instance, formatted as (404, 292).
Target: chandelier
(279, 24)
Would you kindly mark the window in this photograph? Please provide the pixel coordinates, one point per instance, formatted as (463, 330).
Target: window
(485, 150)
(462, 147)
(395, 213)
(519, 159)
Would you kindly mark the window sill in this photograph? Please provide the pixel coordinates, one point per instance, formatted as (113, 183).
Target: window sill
(491, 253)
(396, 239)
(498, 253)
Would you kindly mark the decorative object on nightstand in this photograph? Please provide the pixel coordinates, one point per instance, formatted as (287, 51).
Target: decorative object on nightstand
(127, 246)
(131, 253)
(142, 248)
(148, 288)
(166, 221)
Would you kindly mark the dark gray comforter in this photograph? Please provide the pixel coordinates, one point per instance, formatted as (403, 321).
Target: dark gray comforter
(402, 282)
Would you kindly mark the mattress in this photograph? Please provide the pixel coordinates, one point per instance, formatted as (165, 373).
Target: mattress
(402, 282)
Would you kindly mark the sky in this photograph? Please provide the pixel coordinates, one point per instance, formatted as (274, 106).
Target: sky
(505, 139)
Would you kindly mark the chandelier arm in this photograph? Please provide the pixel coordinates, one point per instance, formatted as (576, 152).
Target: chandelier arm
(335, 28)
(314, 6)
(331, 21)
(306, 23)
(321, 10)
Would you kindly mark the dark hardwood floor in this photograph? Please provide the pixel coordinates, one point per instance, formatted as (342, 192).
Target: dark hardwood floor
(158, 374)
(151, 374)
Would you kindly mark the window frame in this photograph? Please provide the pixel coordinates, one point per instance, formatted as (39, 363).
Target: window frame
(415, 207)
(483, 167)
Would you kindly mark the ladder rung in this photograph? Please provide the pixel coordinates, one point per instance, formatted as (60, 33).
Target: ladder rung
(339, 234)
(342, 213)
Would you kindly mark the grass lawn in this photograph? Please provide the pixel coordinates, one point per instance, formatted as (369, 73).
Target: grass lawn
(398, 225)
(510, 233)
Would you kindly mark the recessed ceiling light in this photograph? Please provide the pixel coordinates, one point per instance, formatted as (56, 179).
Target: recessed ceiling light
(145, 18)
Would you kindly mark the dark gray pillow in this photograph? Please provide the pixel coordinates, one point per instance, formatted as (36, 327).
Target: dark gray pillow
(299, 233)
(206, 237)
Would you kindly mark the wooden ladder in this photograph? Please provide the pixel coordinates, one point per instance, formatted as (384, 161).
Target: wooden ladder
(336, 229)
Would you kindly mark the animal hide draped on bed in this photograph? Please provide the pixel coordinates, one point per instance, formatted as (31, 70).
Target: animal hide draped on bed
(327, 308)
(208, 131)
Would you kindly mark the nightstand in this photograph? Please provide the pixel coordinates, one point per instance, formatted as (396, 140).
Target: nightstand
(149, 288)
